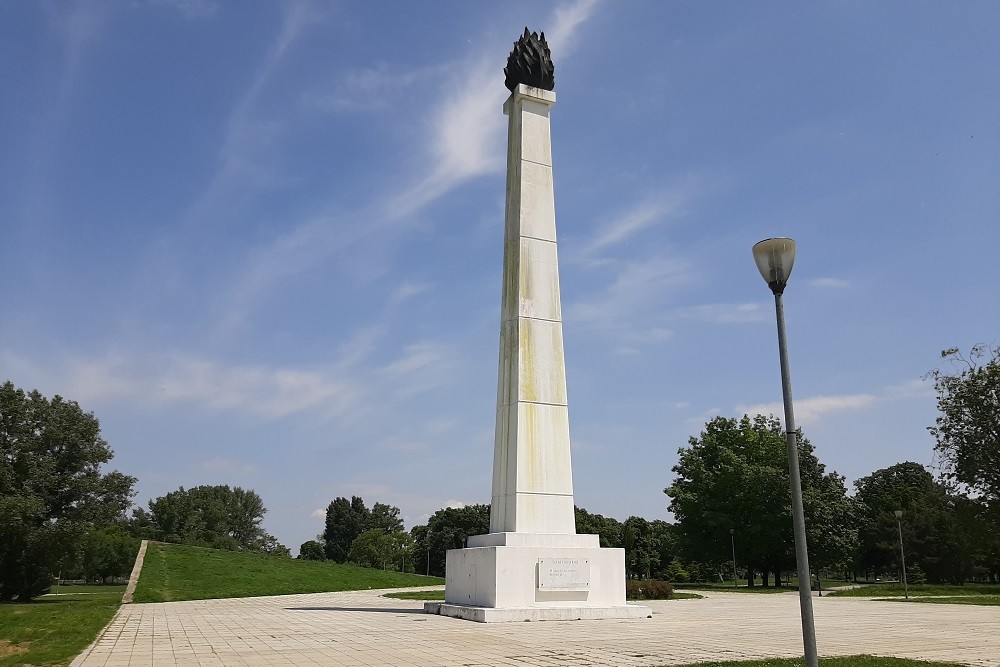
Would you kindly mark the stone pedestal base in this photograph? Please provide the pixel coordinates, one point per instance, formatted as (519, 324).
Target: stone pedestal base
(493, 615)
(504, 577)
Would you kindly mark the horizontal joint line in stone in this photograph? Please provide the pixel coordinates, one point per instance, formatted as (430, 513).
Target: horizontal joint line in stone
(535, 493)
(540, 164)
(532, 317)
(555, 405)
(536, 238)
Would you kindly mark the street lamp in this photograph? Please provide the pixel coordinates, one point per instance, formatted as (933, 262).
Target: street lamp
(732, 538)
(427, 537)
(774, 258)
(902, 556)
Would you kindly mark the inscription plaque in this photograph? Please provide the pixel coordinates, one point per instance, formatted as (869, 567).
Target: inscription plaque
(564, 574)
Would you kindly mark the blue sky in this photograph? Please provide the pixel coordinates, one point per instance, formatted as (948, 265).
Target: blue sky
(262, 242)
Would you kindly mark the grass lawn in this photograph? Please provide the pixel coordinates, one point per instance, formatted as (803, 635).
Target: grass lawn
(53, 629)
(918, 590)
(175, 572)
(846, 661)
(729, 588)
(985, 600)
(681, 595)
(435, 596)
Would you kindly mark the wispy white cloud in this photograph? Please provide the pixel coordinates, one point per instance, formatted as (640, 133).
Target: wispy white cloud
(629, 223)
(637, 288)
(423, 366)
(466, 127)
(268, 392)
(265, 391)
(813, 409)
(829, 282)
(407, 290)
(243, 167)
(319, 513)
(370, 89)
(567, 19)
(917, 388)
(620, 228)
(465, 130)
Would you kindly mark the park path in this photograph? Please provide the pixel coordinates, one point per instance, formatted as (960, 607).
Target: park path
(361, 628)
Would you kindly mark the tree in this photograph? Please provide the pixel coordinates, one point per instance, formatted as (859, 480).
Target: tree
(385, 518)
(51, 487)
(376, 548)
(311, 550)
(735, 476)
(939, 528)
(968, 429)
(345, 520)
(107, 552)
(448, 528)
(219, 517)
(609, 529)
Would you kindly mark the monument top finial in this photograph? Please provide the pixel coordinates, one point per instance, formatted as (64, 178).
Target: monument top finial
(530, 63)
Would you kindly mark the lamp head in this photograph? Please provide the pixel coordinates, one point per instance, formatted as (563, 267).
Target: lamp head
(899, 514)
(774, 258)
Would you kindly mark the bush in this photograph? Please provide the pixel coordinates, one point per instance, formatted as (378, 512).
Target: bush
(311, 550)
(648, 589)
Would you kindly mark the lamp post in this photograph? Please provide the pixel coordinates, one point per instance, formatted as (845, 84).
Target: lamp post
(427, 537)
(774, 258)
(732, 538)
(902, 556)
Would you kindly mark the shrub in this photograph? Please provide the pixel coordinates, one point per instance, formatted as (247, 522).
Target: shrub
(648, 589)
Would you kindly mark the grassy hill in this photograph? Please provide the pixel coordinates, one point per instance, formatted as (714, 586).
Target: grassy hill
(174, 572)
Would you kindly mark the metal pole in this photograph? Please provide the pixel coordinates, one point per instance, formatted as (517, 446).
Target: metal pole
(732, 538)
(902, 557)
(798, 514)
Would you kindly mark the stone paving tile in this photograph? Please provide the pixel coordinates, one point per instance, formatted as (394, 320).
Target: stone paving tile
(363, 629)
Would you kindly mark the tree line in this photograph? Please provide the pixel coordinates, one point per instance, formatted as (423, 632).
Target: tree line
(730, 494)
(59, 513)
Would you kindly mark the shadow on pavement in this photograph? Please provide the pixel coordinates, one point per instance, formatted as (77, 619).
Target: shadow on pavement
(381, 610)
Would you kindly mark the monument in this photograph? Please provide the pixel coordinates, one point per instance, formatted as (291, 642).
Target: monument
(532, 565)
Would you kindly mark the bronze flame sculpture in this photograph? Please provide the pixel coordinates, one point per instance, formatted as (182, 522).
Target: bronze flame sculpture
(530, 63)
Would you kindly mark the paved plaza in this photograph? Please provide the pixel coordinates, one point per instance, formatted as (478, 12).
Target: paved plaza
(362, 628)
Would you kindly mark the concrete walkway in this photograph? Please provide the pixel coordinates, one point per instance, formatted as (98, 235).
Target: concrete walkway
(362, 628)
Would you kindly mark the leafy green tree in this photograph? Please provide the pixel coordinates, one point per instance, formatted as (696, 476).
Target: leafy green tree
(609, 529)
(345, 521)
(968, 428)
(52, 490)
(640, 549)
(735, 476)
(448, 528)
(663, 543)
(311, 550)
(675, 572)
(107, 552)
(372, 548)
(385, 518)
(376, 548)
(219, 517)
(831, 524)
(939, 528)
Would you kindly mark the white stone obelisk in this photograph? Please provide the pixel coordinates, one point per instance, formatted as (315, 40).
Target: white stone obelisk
(532, 473)
(532, 565)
